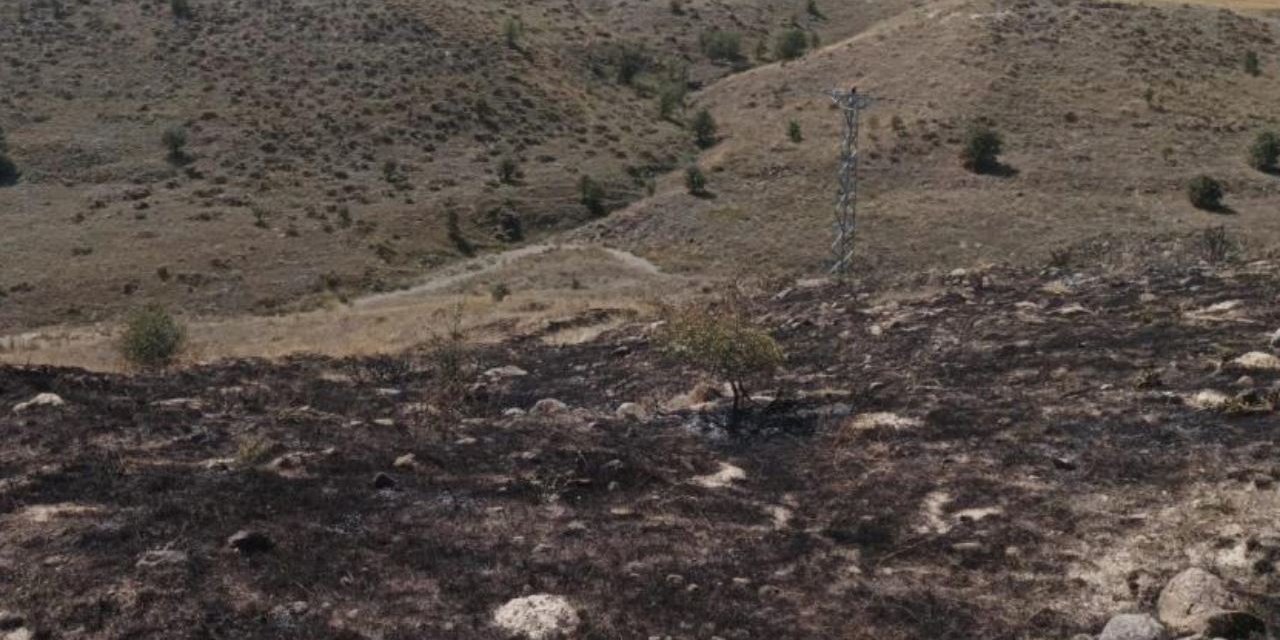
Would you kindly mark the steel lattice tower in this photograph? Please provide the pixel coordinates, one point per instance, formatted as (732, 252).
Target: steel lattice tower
(851, 104)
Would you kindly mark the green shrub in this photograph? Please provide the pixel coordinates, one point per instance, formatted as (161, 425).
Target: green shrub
(724, 344)
(695, 181)
(1252, 65)
(4, 142)
(453, 226)
(790, 44)
(677, 7)
(981, 151)
(1205, 193)
(722, 45)
(592, 196)
(704, 129)
(1265, 151)
(794, 133)
(630, 61)
(152, 338)
(814, 11)
(175, 140)
(8, 170)
(671, 99)
(512, 30)
(499, 291)
(181, 9)
(508, 170)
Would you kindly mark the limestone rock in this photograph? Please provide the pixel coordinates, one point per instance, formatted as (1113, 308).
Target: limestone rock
(1132, 626)
(1190, 598)
(41, 400)
(537, 617)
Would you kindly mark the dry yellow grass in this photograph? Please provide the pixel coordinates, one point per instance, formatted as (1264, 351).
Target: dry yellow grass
(548, 287)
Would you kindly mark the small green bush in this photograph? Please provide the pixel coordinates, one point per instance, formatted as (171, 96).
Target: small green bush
(152, 338)
(981, 151)
(175, 140)
(695, 181)
(1205, 193)
(1252, 65)
(814, 11)
(182, 9)
(722, 45)
(630, 61)
(499, 291)
(512, 30)
(8, 170)
(671, 99)
(790, 44)
(724, 344)
(592, 196)
(453, 226)
(704, 129)
(794, 132)
(508, 170)
(1265, 151)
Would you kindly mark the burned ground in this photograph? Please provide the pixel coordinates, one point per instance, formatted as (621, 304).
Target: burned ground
(1001, 455)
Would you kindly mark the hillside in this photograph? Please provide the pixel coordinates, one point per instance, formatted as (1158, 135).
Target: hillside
(1107, 110)
(329, 142)
(1006, 455)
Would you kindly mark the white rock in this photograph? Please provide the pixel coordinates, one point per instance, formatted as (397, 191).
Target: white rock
(1132, 626)
(406, 461)
(726, 476)
(1190, 597)
(1208, 399)
(509, 371)
(1257, 361)
(632, 410)
(41, 400)
(548, 406)
(513, 412)
(883, 419)
(21, 633)
(161, 557)
(1275, 339)
(537, 617)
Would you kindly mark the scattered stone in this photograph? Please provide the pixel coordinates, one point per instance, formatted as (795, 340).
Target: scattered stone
(1073, 309)
(724, 477)
(194, 404)
(538, 617)
(383, 481)
(883, 419)
(632, 411)
(286, 616)
(1257, 361)
(249, 542)
(161, 558)
(406, 461)
(513, 412)
(21, 633)
(1190, 598)
(1208, 399)
(41, 400)
(388, 392)
(1244, 382)
(1132, 626)
(1275, 339)
(384, 422)
(548, 406)
(509, 371)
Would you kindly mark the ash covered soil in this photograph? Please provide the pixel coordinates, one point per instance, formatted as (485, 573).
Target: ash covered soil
(1001, 455)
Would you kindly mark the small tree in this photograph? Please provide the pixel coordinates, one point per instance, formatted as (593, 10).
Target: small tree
(981, 151)
(1252, 65)
(794, 133)
(152, 339)
(512, 30)
(592, 195)
(630, 61)
(8, 170)
(814, 11)
(722, 45)
(453, 226)
(695, 181)
(1205, 193)
(671, 99)
(704, 129)
(1265, 151)
(724, 344)
(181, 9)
(508, 170)
(175, 140)
(790, 44)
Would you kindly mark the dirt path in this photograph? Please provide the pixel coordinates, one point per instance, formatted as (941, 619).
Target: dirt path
(481, 265)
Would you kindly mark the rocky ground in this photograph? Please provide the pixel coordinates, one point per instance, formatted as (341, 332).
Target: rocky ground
(993, 454)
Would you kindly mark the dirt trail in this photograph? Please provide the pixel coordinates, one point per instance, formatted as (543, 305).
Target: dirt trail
(480, 265)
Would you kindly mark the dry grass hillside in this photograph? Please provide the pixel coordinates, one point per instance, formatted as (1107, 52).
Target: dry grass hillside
(330, 142)
(1107, 111)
